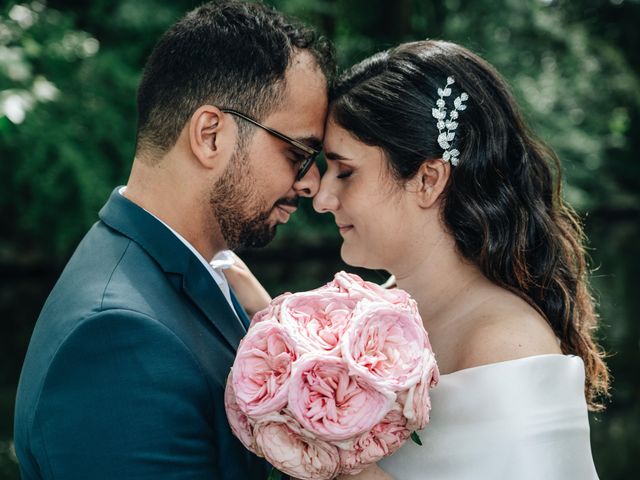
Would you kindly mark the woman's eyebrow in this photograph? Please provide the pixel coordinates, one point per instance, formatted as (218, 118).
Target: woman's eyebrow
(334, 156)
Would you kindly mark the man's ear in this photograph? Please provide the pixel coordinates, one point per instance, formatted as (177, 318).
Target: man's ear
(430, 181)
(212, 136)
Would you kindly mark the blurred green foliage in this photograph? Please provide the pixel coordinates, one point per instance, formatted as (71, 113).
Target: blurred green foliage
(68, 76)
(69, 70)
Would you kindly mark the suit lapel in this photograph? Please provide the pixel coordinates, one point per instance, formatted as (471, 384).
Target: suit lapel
(200, 288)
(176, 260)
(242, 314)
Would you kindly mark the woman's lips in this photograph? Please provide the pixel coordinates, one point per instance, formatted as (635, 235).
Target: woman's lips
(344, 228)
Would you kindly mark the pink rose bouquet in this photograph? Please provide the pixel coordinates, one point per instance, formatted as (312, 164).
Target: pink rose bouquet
(328, 381)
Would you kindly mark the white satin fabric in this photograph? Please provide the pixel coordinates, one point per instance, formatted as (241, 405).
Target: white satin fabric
(519, 419)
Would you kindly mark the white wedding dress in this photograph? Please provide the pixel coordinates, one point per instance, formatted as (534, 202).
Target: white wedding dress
(520, 419)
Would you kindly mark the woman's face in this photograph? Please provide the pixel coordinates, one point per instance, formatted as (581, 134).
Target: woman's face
(373, 213)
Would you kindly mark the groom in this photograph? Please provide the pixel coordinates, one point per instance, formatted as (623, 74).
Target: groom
(125, 373)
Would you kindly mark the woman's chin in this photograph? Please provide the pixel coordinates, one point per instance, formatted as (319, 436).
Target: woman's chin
(355, 257)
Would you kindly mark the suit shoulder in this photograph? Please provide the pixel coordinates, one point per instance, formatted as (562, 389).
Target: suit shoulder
(138, 283)
(117, 340)
(113, 323)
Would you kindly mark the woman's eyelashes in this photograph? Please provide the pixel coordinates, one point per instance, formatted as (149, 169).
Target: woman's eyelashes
(338, 170)
(344, 171)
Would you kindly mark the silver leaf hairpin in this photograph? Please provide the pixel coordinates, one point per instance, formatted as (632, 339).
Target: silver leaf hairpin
(447, 126)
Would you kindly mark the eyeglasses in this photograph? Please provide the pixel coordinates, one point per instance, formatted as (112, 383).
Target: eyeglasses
(310, 153)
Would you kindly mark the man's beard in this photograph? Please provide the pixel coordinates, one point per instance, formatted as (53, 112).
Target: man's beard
(242, 215)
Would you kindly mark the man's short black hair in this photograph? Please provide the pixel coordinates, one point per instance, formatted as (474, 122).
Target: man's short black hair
(231, 54)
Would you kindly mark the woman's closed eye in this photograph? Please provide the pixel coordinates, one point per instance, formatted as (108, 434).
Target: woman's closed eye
(343, 171)
(336, 168)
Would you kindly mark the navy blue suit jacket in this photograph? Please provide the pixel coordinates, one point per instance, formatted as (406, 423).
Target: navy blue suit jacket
(125, 373)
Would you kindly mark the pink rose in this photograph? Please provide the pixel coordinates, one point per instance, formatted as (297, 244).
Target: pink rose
(331, 404)
(272, 312)
(385, 345)
(382, 440)
(264, 314)
(238, 421)
(262, 369)
(416, 401)
(360, 289)
(287, 448)
(317, 319)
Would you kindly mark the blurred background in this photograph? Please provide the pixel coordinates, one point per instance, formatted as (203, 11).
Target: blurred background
(68, 76)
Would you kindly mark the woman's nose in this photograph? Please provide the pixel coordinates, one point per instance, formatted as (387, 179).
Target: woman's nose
(325, 200)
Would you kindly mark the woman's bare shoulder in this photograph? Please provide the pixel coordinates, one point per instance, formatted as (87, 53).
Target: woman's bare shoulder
(504, 329)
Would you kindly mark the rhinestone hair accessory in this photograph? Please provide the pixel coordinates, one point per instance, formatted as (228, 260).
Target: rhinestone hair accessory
(447, 126)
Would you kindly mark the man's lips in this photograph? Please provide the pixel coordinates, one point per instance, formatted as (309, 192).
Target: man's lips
(284, 212)
(289, 205)
(287, 208)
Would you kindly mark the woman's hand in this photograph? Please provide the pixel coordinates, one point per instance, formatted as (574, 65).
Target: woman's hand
(246, 286)
(373, 472)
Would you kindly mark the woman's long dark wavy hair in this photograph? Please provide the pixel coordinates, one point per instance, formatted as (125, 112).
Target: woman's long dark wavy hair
(503, 204)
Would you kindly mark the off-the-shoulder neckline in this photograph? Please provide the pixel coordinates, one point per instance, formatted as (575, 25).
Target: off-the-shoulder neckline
(514, 360)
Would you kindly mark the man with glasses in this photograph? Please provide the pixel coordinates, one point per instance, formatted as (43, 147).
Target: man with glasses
(126, 369)
(309, 153)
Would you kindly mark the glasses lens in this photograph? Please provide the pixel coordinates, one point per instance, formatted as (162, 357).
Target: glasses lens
(306, 165)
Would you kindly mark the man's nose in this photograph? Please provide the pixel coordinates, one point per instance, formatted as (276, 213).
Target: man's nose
(308, 185)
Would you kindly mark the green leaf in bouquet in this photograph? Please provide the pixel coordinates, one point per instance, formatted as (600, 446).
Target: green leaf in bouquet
(275, 474)
(416, 438)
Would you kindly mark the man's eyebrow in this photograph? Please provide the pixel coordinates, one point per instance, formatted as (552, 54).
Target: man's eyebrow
(334, 156)
(312, 141)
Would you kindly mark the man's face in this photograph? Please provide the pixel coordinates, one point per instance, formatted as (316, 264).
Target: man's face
(259, 189)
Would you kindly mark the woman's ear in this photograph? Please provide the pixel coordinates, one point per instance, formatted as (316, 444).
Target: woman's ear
(211, 137)
(430, 181)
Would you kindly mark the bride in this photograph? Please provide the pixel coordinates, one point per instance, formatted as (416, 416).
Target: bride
(433, 176)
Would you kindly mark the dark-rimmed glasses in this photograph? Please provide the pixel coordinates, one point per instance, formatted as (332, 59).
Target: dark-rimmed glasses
(310, 153)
